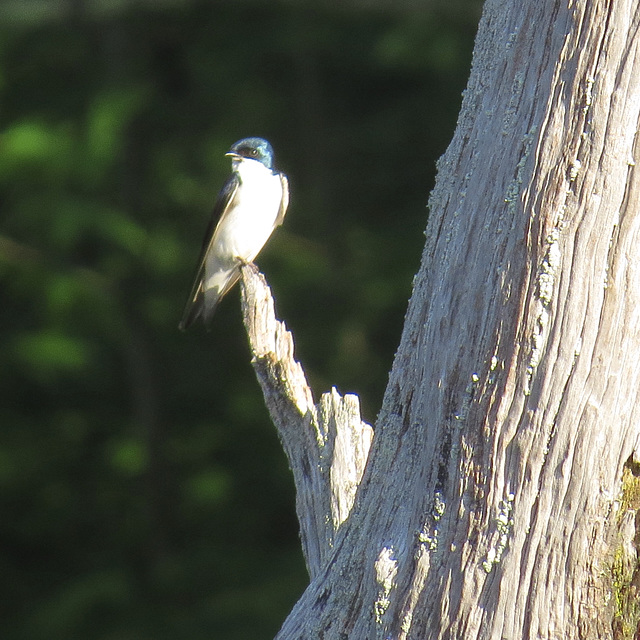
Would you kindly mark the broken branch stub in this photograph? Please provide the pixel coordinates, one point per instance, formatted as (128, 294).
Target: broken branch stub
(327, 444)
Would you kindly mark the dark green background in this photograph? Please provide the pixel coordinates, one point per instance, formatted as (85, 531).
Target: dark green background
(143, 492)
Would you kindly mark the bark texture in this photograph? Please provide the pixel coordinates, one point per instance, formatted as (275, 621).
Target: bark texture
(327, 444)
(491, 503)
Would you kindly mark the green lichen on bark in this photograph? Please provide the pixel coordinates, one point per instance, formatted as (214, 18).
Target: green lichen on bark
(625, 568)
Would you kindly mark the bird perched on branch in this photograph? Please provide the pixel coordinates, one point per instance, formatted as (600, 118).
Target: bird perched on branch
(251, 204)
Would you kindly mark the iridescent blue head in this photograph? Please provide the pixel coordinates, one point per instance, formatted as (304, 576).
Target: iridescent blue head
(254, 149)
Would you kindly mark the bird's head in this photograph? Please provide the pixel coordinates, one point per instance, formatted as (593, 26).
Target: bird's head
(253, 149)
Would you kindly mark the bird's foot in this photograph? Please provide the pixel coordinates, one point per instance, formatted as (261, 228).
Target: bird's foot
(245, 263)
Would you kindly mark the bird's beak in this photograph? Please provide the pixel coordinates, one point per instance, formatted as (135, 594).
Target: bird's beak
(231, 154)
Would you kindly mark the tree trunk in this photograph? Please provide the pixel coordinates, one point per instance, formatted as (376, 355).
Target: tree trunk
(492, 504)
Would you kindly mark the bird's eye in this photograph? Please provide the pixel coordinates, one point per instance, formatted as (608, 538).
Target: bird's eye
(254, 152)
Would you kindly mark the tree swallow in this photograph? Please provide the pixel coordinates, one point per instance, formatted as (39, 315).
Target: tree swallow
(251, 204)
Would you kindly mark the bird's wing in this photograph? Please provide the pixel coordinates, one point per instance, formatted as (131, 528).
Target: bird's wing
(195, 302)
(284, 203)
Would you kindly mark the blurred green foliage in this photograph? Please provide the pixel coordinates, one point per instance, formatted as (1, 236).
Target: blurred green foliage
(143, 493)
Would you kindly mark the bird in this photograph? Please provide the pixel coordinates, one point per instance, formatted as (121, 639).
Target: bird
(250, 205)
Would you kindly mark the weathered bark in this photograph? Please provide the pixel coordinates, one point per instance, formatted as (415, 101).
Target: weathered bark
(327, 444)
(492, 504)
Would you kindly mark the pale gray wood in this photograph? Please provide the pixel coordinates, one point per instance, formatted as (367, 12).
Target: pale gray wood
(490, 506)
(326, 443)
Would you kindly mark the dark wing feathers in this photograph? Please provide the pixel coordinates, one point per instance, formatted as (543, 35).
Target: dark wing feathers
(285, 199)
(195, 302)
